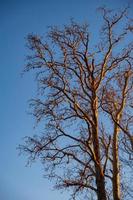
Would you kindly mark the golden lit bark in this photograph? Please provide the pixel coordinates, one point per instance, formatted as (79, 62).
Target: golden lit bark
(116, 170)
(100, 179)
(116, 165)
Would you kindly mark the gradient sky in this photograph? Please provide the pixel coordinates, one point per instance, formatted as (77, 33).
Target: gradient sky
(17, 19)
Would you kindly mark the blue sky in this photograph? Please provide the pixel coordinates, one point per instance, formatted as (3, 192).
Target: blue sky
(17, 19)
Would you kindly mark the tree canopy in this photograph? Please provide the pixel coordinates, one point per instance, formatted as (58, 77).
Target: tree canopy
(85, 101)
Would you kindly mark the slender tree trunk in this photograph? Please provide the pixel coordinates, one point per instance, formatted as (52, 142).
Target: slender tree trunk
(116, 170)
(100, 179)
(116, 166)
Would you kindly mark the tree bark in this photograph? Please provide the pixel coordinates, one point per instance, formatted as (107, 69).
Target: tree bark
(100, 179)
(116, 166)
(116, 170)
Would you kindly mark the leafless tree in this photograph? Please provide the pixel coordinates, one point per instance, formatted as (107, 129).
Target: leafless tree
(85, 102)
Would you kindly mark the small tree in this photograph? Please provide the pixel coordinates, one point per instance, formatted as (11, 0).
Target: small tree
(85, 101)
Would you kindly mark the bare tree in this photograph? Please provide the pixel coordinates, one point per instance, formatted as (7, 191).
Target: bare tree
(85, 102)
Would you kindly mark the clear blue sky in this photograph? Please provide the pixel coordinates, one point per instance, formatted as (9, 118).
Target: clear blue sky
(17, 19)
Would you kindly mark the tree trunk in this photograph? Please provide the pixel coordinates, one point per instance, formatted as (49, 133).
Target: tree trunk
(101, 193)
(100, 179)
(116, 170)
